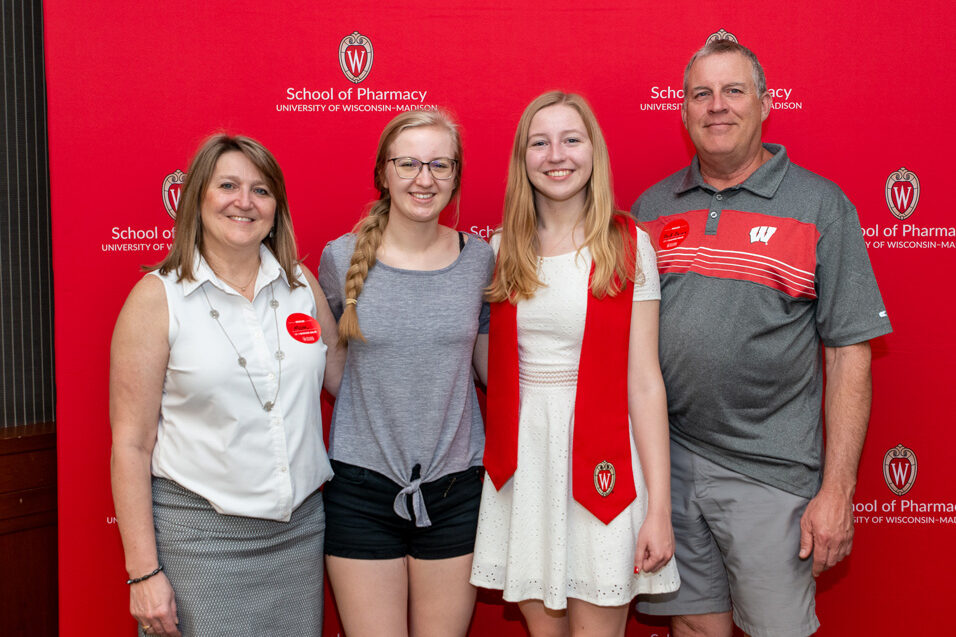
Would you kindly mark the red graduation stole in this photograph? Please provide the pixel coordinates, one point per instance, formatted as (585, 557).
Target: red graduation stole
(601, 476)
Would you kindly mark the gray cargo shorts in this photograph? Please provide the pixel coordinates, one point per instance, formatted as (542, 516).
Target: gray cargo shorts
(737, 546)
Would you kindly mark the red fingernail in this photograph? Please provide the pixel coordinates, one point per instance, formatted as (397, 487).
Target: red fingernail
(637, 570)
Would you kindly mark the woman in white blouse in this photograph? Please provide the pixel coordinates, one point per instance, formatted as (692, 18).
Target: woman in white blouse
(216, 370)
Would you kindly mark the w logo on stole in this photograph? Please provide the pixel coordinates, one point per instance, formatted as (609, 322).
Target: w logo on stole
(604, 478)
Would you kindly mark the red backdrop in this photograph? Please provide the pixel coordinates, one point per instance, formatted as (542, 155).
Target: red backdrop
(860, 89)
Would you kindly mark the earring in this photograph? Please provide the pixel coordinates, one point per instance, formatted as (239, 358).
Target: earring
(272, 232)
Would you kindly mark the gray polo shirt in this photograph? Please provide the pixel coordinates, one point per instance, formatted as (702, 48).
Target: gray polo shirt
(753, 279)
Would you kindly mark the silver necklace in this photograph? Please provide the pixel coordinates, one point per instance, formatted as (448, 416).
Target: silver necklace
(214, 313)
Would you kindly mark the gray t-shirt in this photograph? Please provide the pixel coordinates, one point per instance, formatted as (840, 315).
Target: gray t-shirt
(407, 396)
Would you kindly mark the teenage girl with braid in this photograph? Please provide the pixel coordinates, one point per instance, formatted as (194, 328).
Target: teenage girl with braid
(407, 435)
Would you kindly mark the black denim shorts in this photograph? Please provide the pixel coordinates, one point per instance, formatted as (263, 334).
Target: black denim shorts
(361, 524)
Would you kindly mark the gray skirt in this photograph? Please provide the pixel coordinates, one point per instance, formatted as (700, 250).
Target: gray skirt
(234, 575)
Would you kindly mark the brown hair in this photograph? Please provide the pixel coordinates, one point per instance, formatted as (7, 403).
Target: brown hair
(369, 230)
(189, 234)
(612, 247)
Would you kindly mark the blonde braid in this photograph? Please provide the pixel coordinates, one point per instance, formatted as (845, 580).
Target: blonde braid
(368, 237)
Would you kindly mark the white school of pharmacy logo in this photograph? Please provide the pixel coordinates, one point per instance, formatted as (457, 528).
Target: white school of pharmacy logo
(899, 469)
(722, 35)
(902, 193)
(355, 56)
(172, 189)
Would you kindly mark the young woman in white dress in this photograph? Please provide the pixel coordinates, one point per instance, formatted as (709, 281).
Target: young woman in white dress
(572, 548)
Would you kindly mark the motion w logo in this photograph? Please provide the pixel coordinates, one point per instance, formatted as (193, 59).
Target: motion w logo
(761, 233)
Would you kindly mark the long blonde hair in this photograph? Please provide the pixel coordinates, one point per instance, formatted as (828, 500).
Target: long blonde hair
(189, 230)
(612, 247)
(369, 230)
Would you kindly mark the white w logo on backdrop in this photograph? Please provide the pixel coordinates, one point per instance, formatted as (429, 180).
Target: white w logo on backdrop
(902, 192)
(901, 472)
(356, 60)
(355, 56)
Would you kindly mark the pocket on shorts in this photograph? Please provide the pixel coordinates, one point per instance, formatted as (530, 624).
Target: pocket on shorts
(461, 484)
(350, 473)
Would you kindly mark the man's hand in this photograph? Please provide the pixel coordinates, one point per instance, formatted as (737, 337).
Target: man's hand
(826, 530)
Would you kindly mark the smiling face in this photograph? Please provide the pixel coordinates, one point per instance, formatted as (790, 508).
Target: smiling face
(238, 207)
(559, 157)
(722, 111)
(422, 198)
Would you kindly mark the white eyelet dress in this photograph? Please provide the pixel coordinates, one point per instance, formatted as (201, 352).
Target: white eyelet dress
(534, 540)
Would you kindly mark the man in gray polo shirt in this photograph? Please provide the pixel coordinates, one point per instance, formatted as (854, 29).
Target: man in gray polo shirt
(761, 262)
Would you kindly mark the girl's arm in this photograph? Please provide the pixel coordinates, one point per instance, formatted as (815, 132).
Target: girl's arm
(335, 355)
(647, 405)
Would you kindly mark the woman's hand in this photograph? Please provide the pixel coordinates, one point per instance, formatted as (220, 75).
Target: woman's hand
(153, 605)
(655, 543)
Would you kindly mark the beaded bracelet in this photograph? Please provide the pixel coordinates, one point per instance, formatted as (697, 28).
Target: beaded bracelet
(137, 580)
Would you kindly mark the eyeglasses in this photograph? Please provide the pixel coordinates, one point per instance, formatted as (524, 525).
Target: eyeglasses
(409, 167)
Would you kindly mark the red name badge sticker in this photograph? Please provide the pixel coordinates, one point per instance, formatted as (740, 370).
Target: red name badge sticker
(674, 234)
(303, 328)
